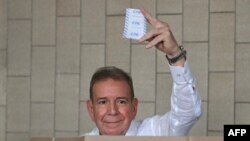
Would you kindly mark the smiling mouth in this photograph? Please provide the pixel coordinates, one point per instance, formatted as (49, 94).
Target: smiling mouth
(113, 124)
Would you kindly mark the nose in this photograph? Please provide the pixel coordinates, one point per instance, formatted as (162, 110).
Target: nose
(113, 110)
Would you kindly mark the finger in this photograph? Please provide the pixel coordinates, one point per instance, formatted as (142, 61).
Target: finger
(150, 39)
(148, 16)
(149, 35)
(155, 41)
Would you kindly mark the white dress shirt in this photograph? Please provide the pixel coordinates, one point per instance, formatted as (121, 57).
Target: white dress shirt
(185, 109)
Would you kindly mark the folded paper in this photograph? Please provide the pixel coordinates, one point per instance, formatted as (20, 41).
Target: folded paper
(135, 24)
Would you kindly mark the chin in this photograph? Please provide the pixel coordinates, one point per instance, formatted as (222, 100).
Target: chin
(114, 133)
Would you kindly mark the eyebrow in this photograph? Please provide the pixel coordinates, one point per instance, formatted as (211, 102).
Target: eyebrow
(121, 98)
(101, 98)
(104, 98)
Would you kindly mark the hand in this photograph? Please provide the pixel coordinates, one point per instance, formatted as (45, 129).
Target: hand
(160, 36)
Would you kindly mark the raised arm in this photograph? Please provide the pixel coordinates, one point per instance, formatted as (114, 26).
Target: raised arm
(185, 99)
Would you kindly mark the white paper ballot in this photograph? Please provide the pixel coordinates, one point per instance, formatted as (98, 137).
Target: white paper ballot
(135, 24)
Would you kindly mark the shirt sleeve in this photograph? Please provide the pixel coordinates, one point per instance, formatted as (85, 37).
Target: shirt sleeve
(185, 101)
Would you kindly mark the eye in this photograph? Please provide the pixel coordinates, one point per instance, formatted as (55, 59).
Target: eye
(122, 101)
(102, 102)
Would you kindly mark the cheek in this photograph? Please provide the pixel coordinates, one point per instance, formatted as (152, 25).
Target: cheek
(126, 112)
(99, 113)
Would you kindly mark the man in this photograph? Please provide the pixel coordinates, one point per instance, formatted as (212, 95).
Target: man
(113, 107)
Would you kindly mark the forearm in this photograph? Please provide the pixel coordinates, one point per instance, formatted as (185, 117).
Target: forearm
(185, 101)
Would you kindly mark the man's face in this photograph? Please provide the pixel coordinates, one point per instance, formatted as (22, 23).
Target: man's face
(112, 108)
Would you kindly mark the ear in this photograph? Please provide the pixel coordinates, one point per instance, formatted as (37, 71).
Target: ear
(134, 107)
(89, 105)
